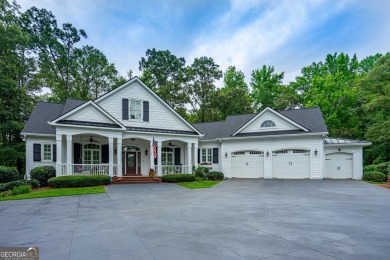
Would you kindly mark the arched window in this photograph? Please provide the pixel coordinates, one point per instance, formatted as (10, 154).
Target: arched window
(268, 123)
(91, 154)
(167, 156)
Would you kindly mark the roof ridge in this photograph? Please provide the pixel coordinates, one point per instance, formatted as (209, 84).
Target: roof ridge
(54, 103)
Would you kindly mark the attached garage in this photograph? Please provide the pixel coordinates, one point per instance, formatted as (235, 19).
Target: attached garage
(291, 164)
(339, 166)
(247, 164)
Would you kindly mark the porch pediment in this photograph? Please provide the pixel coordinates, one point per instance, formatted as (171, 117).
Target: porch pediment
(88, 114)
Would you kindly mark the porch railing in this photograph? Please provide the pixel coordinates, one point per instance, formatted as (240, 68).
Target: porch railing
(172, 169)
(87, 169)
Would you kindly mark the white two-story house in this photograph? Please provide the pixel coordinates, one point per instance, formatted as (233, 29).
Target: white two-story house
(118, 133)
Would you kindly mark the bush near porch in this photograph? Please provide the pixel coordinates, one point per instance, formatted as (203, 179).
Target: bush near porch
(43, 174)
(79, 181)
(174, 178)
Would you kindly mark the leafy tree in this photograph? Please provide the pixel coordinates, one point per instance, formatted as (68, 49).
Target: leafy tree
(266, 87)
(234, 79)
(163, 72)
(233, 101)
(201, 76)
(374, 92)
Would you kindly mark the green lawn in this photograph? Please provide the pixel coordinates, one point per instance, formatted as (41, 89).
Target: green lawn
(375, 182)
(54, 192)
(198, 184)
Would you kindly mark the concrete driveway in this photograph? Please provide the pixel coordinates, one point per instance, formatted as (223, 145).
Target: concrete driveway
(237, 219)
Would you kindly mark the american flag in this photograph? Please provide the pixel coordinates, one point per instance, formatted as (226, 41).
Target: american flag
(154, 149)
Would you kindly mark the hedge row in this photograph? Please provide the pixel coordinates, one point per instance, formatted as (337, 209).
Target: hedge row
(178, 178)
(374, 176)
(12, 184)
(43, 174)
(381, 167)
(8, 174)
(79, 181)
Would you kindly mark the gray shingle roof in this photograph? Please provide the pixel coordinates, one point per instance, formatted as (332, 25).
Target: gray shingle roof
(309, 118)
(71, 104)
(43, 113)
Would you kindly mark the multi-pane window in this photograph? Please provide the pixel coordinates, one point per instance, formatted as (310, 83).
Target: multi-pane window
(135, 109)
(207, 156)
(47, 148)
(268, 123)
(91, 154)
(167, 156)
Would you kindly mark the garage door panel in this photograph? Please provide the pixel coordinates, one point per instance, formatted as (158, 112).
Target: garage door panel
(291, 164)
(339, 166)
(249, 164)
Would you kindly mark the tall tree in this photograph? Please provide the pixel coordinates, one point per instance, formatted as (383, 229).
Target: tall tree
(266, 87)
(163, 72)
(201, 77)
(234, 78)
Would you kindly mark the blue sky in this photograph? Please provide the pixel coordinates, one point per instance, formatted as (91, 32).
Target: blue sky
(286, 34)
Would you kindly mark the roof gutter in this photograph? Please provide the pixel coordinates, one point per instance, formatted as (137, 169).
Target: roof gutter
(271, 136)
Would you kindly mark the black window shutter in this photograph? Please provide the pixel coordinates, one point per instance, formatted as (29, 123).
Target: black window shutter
(54, 152)
(37, 152)
(125, 109)
(146, 111)
(198, 155)
(77, 153)
(215, 155)
(105, 153)
(177, 156)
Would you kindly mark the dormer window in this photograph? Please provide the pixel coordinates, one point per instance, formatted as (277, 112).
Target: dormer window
(268, 123)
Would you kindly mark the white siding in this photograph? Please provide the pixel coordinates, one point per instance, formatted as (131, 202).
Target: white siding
(89, 114)
(310, 143)
(281, 124)
(30, 141)
(160, 116)
(214, 166)
(356, 151)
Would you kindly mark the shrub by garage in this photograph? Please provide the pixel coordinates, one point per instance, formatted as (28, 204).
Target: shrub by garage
(201, 172)
(380, 167)
(374, 176)
(43, 174)
(215, 176)
(8, 174)
(178, 178)
(79, 181)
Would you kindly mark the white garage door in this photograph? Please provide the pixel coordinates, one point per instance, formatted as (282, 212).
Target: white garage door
(249, 164)
(339, 166)
(291, 164)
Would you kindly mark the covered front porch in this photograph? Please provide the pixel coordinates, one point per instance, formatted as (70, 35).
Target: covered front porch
(126, 154)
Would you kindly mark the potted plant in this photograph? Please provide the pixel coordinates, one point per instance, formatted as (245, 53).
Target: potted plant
(151, 172)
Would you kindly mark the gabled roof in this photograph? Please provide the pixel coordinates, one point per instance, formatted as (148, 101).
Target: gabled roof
(43, 113)
(309, 118)
(71, 104)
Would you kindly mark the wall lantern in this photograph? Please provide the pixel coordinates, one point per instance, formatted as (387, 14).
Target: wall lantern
(315, 152)
(225, 154)
(146, 152)
(339, 149)
(267, 153)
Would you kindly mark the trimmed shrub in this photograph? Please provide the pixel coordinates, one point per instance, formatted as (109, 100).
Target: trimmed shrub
(79, 181)
(216, 176)
(201, 172)
(8, 174)
(21, 189)
(374, 176)
(12, 184)
(43, 174)
(381, 167)
(178, 178)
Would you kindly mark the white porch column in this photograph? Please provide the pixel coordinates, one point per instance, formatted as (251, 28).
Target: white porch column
(159, 170)
(195, 155)
(189, 166)
(59, 155)
(69, 169)
(151, 154)
(119, 157)
(111, 156)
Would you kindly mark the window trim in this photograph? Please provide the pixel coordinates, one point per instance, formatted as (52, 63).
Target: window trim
(43, 152)
(209, 156)
(92, 149)
(164, 151)
(141, 109)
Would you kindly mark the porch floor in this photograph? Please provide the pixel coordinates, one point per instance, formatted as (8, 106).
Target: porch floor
(136, 179)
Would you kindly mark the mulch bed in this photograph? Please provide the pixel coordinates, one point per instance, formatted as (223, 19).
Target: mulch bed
(386, 185)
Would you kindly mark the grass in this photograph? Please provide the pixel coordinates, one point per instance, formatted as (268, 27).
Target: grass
(375, 182)
(54, 192)
(198, 184)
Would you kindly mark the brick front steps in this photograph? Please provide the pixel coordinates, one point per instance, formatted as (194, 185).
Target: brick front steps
(135, 179)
